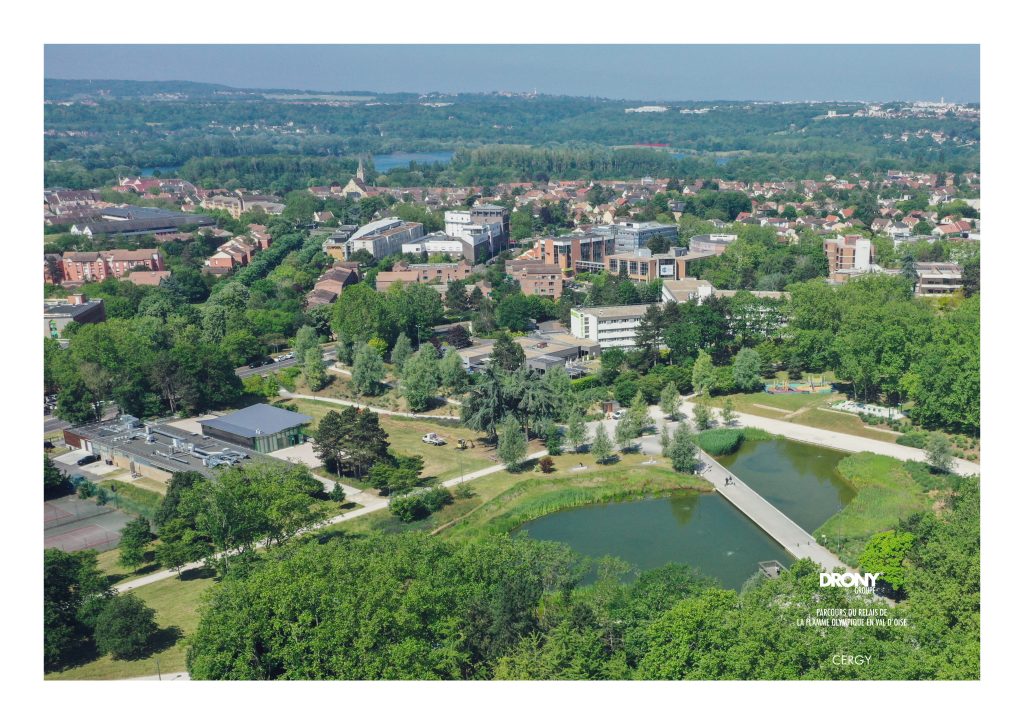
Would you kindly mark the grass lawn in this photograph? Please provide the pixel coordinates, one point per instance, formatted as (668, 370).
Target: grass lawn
(774, 406)
(176, 603)
(128, 496)
(340, 386)
(842, 422)
(886, 492)
(503, 500)
(404, 435)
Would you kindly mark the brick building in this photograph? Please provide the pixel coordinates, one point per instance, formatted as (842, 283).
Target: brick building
(79, 267)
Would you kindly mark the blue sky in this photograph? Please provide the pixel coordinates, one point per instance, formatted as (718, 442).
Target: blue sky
(637, 72)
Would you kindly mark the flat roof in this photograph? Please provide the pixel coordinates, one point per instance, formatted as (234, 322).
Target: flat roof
(257, 420)
(619, 311)
(64, 309)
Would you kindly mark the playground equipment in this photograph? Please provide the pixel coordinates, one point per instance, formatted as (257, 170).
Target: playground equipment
(807, 387)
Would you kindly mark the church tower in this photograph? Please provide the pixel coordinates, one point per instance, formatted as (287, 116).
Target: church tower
(361, 171)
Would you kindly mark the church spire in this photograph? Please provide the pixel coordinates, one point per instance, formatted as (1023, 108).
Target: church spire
(361, 171)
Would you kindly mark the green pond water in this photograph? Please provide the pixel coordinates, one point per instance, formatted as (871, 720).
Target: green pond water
(703, 530)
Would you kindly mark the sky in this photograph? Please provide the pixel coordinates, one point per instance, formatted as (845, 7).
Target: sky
(635, 72)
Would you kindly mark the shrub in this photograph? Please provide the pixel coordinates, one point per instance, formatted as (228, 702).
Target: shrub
(547, 465)
(408, 508)
(914, 438)
(337, 493)
(464, 491)
(720, 441)
(436, 498)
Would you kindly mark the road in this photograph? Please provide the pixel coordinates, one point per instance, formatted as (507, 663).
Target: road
(246, 371)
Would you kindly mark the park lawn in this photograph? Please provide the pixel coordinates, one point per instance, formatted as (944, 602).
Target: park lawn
(340, 386)
(886, 493)
(131, 498)
(842, 422)
(176, 602)
(774, 406)
(405, 436)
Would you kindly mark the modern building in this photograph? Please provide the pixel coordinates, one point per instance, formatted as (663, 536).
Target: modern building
(484, 228)
(58, 313)
(543, 351)
(610, 327)
(644, 266)
(536, 277)
(714, 243)
(581, 251)
(938, 278)
(80, 267)
(691, 289)
(634, 235)
(263, 428)
(381, 238)
(848, 254)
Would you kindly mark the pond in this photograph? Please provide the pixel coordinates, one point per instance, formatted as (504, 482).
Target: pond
(385, 162)
(703, 530)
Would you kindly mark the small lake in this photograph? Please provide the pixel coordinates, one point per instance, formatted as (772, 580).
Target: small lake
(703, 530)
(388, 161)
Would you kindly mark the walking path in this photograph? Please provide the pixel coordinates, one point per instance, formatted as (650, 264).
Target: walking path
(370, 502)
(352, 403)
(798, 542)
(836, 440)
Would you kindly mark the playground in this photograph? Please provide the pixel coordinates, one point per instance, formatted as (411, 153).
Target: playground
(807, 387)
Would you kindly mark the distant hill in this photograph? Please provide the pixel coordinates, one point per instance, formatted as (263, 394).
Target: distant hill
(58, 89)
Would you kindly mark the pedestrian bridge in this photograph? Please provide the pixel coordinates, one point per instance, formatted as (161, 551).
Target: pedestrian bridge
(797, 542)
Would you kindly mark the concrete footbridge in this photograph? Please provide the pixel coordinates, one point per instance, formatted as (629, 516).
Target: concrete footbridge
(798, 542)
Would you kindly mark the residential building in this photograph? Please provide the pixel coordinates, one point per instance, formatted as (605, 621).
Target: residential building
(263, 428)
(79, 267)
(848, 253)
(610, 327)
(936, 278)
(58, 313)
(331, 283)
(536, 277)
(634, 235)
(406, 273)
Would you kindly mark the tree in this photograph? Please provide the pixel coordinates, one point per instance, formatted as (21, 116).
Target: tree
(181, 544)
(305, 339)
(682, 450)
(669, 401)
(746, 369)
(169, 506)
(561, 396)
(508, 355)
(125, 627)
(546, 464)
(703, 374)
(400, 353)
(886, 553)
(135, 538)
(313, 369)
(601, 447)
(511, 444)
(352, 437)
(458, 337)
(939, 452)
(702, 414)
(367, 371)
(576, 431)
(72, 585)
(420, 378)
(452, 373)
(55, 482)
(728, 415)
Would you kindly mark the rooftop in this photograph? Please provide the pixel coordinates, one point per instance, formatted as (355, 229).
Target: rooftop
(618, 311)
(261, 419)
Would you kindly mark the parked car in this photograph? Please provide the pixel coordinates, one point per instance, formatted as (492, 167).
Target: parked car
(87, 460)
(618, 414)
(432, 438)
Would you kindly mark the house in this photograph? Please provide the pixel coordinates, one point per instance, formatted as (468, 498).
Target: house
(148, 278)
(330, 285)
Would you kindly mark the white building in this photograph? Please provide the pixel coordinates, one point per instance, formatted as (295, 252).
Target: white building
(608, 326)
(383, 238)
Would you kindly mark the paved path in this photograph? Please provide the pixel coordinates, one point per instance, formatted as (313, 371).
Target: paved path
(352, 403)
(372, 504)
(798, 542)
(836, 440)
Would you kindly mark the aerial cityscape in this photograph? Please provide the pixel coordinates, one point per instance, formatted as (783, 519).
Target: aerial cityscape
(508, 384)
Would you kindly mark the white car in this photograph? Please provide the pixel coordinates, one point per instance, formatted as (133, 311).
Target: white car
(432, 438)
(618, 414)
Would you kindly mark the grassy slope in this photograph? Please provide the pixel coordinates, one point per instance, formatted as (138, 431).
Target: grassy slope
(886, 492)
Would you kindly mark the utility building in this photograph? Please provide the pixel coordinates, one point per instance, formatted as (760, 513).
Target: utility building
(263, 428)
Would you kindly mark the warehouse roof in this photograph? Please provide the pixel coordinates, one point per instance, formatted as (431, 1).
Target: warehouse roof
(257, 420)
